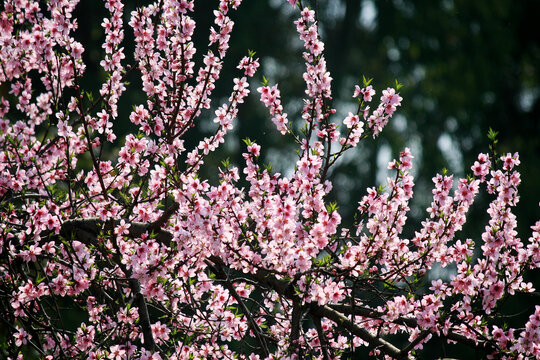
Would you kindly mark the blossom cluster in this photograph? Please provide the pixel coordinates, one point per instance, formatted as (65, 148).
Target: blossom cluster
(154, 261)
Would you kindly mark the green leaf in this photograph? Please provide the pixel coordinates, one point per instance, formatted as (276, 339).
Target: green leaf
(398, 85)
(264, 81)
(365, 81)
(268, 167)
(331, 207)
(492, 135)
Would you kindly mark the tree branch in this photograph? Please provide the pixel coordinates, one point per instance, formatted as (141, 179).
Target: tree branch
(86, 231)
(284, 288)
(146, 327)
(409, 322)
(296, 319)
(322, 337)
(95, 226)
(375, 341)
(220, 274)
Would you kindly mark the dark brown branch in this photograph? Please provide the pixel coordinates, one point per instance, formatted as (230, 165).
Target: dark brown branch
(146, 328)
(416, 341)
(95, 226)
(375, 341)
(284, 288)
(296, 319)
(369, 313)
(220, 274)
(162, 220)
(86, 231)
(322, 337)
(26, 196)
(409, 322)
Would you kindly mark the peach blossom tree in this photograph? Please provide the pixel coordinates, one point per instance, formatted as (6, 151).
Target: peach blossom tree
(160, 263)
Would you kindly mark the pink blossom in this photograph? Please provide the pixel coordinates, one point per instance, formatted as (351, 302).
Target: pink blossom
(21, 336)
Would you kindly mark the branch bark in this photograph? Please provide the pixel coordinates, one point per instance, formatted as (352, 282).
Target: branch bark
(284, 288)
(220, 274)
(94, 226)
(146, 327)
(87, 230)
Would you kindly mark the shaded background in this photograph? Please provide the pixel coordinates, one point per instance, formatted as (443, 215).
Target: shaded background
(466, 66)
